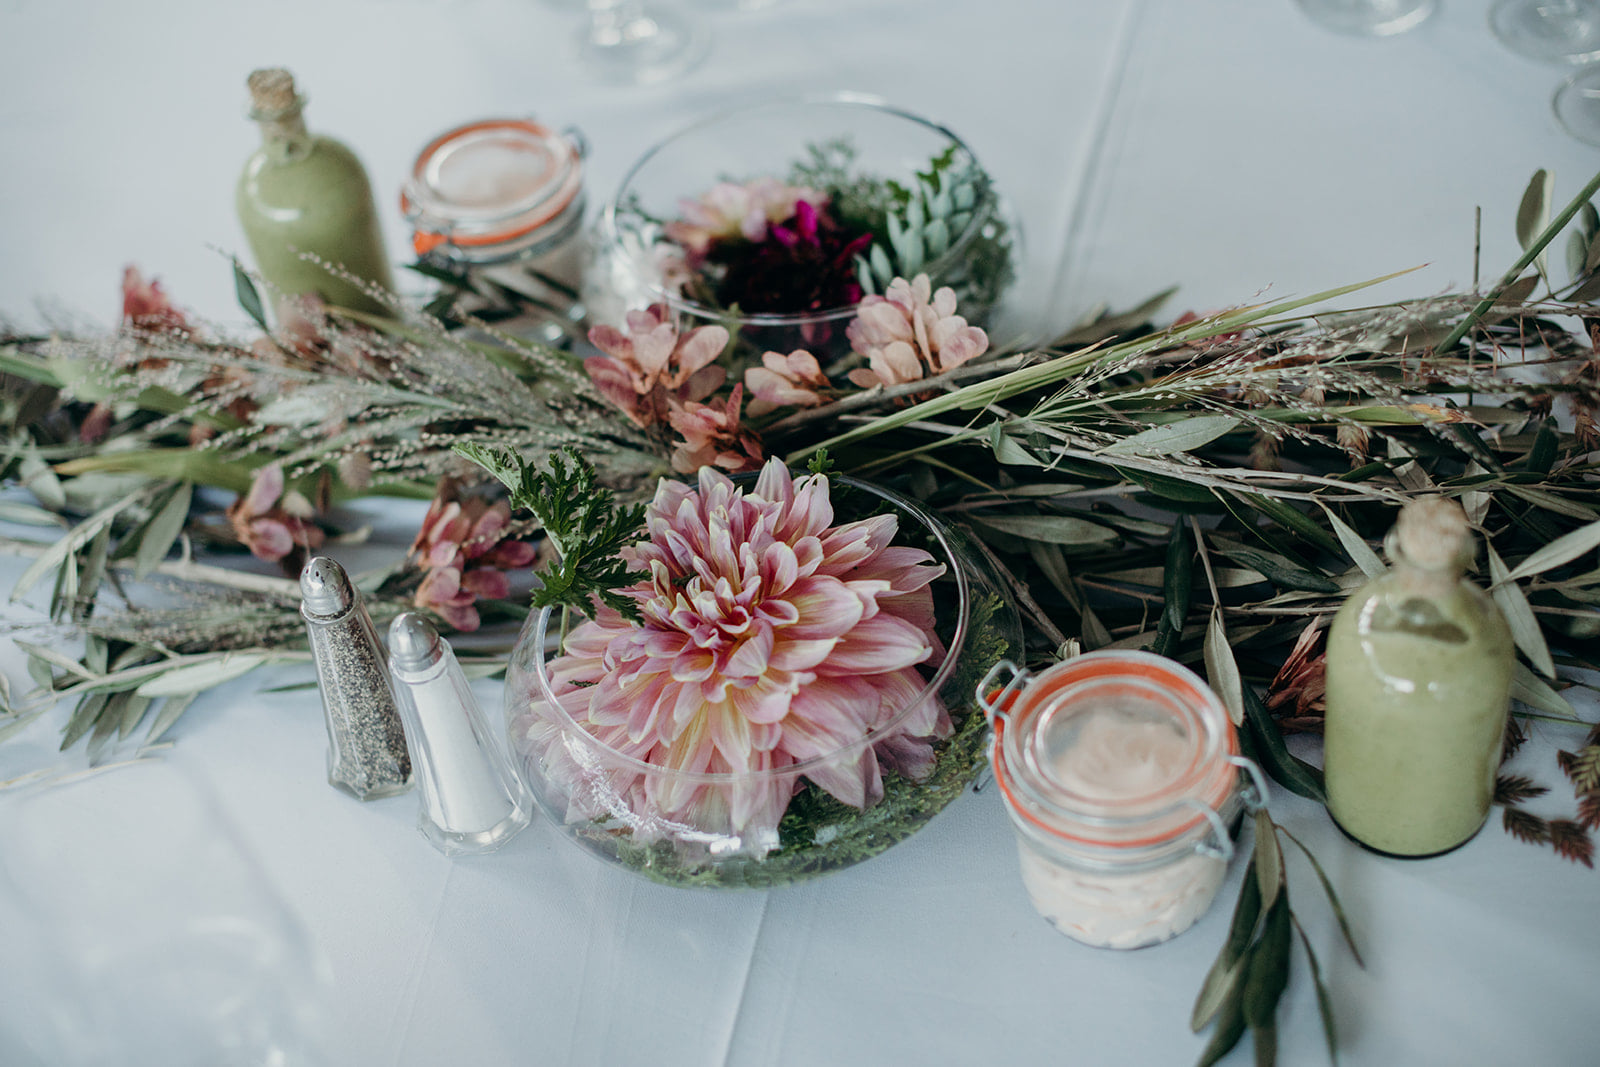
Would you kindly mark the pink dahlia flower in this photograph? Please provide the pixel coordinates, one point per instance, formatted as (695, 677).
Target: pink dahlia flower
(911, 332)
(769, 637)
(783, 381)
(650, 366)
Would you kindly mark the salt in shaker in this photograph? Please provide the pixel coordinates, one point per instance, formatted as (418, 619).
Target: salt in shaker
(472, 799)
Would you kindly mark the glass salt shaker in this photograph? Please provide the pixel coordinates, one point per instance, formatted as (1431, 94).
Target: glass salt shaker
(472, 799)
(501, 202)
(1120, 773)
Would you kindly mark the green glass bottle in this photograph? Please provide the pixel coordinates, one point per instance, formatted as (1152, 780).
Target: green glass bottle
(301, 192)
(1419, 681)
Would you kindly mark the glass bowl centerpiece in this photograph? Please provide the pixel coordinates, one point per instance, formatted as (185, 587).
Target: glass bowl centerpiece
(794, 696)
(775, 220)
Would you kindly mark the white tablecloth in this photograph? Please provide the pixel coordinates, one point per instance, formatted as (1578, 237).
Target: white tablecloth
(1230, 147)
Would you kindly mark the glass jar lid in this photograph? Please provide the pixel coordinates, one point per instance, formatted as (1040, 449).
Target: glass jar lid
(1115, 749)
(491, 182)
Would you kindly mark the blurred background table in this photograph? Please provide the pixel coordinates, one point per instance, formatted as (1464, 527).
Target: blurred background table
(1231, 147)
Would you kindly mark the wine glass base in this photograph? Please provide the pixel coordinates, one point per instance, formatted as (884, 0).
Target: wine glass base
(1548, 33)
(1577, 105)
(1368, 18)
(641, 45)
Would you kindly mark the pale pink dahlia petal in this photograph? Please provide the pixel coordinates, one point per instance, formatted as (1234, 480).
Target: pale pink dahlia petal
(879, 643)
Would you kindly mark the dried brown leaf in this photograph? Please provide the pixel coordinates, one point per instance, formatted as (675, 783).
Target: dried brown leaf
(1516, 736)
(1589, 810)
(1583, 767)
(1571, 841)
(1509, 789)
(1526, 826)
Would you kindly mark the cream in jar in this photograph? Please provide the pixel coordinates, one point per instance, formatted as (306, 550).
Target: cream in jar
(1119, 772)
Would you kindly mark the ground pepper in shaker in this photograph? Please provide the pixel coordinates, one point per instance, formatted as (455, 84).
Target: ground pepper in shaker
(367, 755)
(472, 799)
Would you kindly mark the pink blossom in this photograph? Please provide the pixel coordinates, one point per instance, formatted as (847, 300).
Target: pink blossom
(910, 332)
(729, 209)
(270, 530)
(650, 366)
(782, 381)
(145, 306)
(769, 637)
(463, 551)
(713, 437)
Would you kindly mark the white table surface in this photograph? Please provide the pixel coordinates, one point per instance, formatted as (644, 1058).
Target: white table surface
(1228, 146)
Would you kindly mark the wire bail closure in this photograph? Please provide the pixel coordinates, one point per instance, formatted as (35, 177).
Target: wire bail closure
(997, 705)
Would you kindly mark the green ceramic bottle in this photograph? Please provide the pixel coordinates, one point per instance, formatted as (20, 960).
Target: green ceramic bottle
(1419, 682)
(301, 192)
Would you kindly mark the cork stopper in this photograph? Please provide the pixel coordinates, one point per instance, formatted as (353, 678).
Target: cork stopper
(272, 93)
(1432, 533)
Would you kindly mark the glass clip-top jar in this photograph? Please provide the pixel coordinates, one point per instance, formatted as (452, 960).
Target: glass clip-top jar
(1120, 772)
(498, 205)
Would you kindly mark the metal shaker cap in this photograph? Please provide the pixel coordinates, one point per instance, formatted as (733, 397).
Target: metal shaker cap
(325, 589)
(413, 643)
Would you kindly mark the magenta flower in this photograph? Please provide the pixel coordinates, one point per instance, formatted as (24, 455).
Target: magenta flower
(782, 381)
(909, 333)
(650, 366)
(271, 530)
(463, 550)
(729, 210)
(769, 637)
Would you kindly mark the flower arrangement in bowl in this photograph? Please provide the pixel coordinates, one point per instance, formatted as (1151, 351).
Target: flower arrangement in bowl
(785, 689)
(775, 221)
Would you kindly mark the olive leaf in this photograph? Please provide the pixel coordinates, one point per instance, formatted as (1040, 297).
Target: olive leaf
(1508, 596)
(1051, 529)
(1223, 976)
(1563, 549)
(1184, 436)
(1222, 671)
(1533, 215)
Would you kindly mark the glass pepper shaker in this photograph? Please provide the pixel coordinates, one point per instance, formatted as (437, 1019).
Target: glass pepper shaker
(1120, 772)
(367, 755)
(1419, 681)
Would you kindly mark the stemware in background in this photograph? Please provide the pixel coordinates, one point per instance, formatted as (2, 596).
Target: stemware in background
(630, 41)
(1555, 31)
(154, 936)
(1577, 104)
(1368, 18)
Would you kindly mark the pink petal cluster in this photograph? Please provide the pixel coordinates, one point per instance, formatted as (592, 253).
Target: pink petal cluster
(729, 209)
(712, 436)
(783, 381)
(463, 550)
(272, 530)
(769, 637)
(910, 332)
(145, 306)
(650, 367)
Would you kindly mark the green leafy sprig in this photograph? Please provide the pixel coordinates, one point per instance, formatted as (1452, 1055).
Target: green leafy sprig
(581, 518)
(1248, 978)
